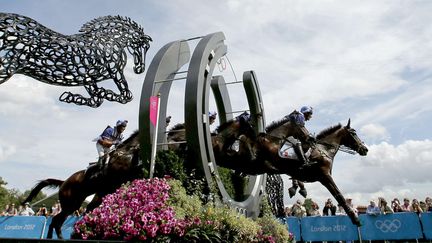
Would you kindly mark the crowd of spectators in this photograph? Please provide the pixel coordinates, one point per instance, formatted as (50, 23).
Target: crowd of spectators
(381, 206)
(27, 210)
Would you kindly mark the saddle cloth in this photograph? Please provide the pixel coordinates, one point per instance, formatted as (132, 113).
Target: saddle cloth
(287, 152)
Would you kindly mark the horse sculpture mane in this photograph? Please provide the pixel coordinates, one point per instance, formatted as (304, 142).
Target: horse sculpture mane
(102, 22)
(97, 53)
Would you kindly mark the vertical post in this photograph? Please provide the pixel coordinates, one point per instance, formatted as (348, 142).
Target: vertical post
(154, 142)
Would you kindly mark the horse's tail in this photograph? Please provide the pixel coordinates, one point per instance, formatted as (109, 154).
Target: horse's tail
(52, 183)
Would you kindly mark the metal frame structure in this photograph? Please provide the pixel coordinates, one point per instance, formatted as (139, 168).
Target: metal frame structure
(199, 80)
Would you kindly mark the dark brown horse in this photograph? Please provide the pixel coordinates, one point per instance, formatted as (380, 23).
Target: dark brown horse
(222, 139)
(285, 128)
(268, 160)
(123, 166)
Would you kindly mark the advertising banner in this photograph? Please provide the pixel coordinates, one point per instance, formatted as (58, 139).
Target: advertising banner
(67, 227)
(28, 227)
(328, 228)
(396, 226)
(293, 224)
(426, 220)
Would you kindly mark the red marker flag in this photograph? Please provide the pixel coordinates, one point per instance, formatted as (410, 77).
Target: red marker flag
(154, 102)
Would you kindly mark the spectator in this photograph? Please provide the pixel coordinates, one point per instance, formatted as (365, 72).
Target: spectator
(56, 208)
(384, 207)
(27, 210)
(396, 206)
(340, 210)
(42, 211)
(298, 210)
(5, 211)
(423, 206)
(428, 202)
(12, 211)
(373, 209)
(415, 206)
(329, 206)
(314, 210)
(351, 205)
(287, 211)
(406, 205)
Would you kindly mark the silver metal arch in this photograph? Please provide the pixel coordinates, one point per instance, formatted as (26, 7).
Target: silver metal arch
(210, 49)
(164, 66)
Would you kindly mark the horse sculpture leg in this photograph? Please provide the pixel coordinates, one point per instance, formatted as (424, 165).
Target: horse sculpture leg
(8, 65)
(96, 96)
(329, 183)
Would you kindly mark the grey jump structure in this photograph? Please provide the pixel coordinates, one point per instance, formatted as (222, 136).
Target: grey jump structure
(199, 80)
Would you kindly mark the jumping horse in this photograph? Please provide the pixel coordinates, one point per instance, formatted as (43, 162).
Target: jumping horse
(96, 54)
(123, 166)
(268, 160)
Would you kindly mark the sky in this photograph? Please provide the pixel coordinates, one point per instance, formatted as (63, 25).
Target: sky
(365, 60)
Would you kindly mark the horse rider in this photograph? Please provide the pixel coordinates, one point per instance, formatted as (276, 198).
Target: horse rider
(111, 136)
(299, 119)
(212, 117)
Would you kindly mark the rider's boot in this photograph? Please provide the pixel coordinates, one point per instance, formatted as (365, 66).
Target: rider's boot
(100, 168)
(301, 156)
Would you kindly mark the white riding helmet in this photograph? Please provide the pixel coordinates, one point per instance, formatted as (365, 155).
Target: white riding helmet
(306, 109)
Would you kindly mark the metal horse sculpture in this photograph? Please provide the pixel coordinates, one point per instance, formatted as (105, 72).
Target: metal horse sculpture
(267, 159)
(123, 166)
(94, 55)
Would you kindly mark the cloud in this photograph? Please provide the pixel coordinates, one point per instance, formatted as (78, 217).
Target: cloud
(375, 132)
(6, 150)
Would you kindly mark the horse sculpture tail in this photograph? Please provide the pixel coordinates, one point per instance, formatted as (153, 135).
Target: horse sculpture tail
(52, 183)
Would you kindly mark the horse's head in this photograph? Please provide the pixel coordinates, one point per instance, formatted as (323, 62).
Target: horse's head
(138, 46)
(125, 31)
(351, 140)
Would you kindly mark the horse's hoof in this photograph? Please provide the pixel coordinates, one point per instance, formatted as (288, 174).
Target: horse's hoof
(303, 192)
(292, 192)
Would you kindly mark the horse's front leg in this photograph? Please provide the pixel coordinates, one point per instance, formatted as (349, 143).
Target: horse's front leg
(329, 183)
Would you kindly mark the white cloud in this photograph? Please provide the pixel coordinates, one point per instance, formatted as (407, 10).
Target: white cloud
(375, 132)
(6, 151)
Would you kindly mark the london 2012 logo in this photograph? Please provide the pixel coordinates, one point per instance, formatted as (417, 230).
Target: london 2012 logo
(388, 225)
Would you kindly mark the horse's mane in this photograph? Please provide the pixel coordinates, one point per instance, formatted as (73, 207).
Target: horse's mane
(176, 127)
(328, 131)
(102, 22)
(224, 125)
(276, 124)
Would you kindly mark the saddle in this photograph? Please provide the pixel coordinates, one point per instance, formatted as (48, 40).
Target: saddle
(287, 151)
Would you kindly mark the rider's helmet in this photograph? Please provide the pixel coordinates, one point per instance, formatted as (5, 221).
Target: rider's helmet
(121, 123)
(306, 109)
(212, 115)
